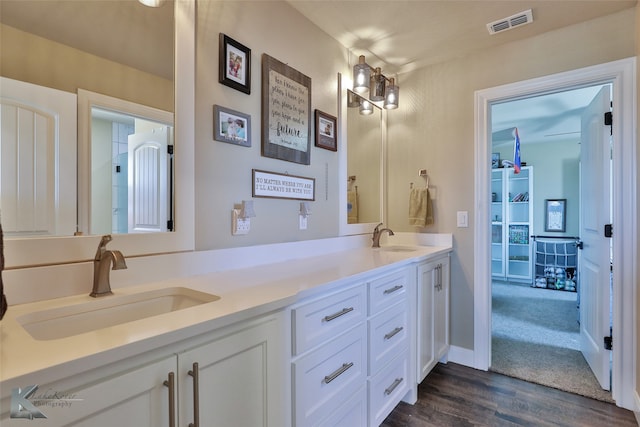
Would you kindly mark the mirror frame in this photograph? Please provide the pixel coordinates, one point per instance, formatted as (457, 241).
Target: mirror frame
(87, 100)
(31, 252)
(346, 229)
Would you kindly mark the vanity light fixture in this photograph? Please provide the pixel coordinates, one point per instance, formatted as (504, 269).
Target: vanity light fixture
(366, 108)
(380, 87)
(392, 94)
(361, 76)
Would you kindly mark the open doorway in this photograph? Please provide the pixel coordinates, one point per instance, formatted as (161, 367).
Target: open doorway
(535, 239)
(621, 74)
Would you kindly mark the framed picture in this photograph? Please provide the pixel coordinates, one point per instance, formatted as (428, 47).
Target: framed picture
(495, 160)
(326, 132)
(282, 186)
(286, 112)
(235, 64)
(556, 215)
(231, 126)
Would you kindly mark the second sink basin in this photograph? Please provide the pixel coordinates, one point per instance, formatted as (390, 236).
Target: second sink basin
(398, 248)
(109, 311)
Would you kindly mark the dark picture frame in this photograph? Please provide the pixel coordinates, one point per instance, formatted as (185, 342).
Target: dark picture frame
(495, 160)
(234, 64)
(326, 131)
(555, 219)
(286, 112)
(231, 126)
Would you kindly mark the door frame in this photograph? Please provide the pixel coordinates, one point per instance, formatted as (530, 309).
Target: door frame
(622, 75)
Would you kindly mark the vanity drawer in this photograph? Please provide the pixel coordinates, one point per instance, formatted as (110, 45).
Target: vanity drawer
(387, 388)
(388, 336)
(352, 413)
(386, 291)
(326, 318)
(329, 376)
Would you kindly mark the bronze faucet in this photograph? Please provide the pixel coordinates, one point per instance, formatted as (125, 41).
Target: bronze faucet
(377, 232)
(103, 260)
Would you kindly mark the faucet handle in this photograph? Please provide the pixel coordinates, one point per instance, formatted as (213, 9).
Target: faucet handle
(377, 229)
(102, 246)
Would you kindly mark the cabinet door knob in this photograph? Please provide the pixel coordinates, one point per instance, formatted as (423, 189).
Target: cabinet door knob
(196, 396)
(170, 383)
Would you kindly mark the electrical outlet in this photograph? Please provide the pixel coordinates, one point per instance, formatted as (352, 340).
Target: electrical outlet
(239, 225)
(303, 222)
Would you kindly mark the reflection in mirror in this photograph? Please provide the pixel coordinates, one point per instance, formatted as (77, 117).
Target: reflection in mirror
(140, 87)
(119, 48)
(131, 160)
(364, 160)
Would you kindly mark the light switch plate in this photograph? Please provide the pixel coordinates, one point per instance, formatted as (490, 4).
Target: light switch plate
(303, 222)
(463, 219)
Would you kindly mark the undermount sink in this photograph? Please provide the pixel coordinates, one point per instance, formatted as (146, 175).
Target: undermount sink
(109, 311)
(398, 248)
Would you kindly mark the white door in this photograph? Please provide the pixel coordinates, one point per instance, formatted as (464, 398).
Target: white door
(148, 180)
(594, 265)
(38, 159)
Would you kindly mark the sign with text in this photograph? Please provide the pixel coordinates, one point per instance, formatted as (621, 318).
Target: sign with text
(282, 186)
(286, 112)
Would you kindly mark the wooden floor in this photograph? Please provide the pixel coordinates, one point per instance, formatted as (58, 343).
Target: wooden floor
(454, 395)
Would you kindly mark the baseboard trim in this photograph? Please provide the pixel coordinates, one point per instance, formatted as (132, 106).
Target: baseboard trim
(461, 356)
(636, 397)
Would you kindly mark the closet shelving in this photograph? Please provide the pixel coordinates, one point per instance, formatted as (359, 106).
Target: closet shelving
(511, 224)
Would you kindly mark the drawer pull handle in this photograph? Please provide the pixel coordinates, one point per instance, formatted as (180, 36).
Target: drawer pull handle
(170, 383)
(338, 314)
(392, 290)
(341, 370)
(393, 386)
(393, 333)
(196, 395)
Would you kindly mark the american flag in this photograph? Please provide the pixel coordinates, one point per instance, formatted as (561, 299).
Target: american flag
(516, 154)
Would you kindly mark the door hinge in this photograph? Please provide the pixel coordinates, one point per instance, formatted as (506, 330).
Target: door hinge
(608, 343)
(608, 230)
(169, 149)
(608, 120)
(170, 225)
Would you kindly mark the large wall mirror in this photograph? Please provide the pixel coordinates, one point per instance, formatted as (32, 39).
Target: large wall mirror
(363, 165)
(129, 55)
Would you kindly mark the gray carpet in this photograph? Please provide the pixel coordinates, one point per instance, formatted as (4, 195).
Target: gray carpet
(536, 337)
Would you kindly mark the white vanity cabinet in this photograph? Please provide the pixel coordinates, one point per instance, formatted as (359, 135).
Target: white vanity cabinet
(134, 396)
(351, 357)
(433, 313)
(329, 355)
(238, 379)
(234, 376)
(390, 328)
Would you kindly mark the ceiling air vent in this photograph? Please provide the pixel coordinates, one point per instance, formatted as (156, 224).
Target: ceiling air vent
(512, 21)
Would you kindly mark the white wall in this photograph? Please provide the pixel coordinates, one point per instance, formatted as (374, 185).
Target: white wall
(434, 129)
(223, 171)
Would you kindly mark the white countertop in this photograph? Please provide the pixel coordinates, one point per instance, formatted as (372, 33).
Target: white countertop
(244, 293)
